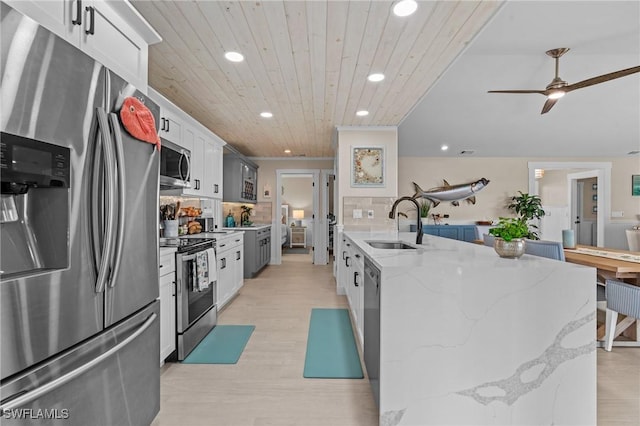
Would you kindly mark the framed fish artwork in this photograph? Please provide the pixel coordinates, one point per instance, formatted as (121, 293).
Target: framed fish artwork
(367, 167)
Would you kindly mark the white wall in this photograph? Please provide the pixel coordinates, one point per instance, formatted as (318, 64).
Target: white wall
(360, 137)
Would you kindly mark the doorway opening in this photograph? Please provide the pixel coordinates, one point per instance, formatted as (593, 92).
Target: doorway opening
(567, 212)
(297, 212)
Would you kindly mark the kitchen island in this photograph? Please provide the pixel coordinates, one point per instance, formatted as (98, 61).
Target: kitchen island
(467, 337)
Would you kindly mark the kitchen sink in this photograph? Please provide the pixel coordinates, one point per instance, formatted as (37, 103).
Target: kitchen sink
(391, 245)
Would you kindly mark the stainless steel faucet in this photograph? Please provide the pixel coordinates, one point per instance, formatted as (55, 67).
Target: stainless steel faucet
(392, 215)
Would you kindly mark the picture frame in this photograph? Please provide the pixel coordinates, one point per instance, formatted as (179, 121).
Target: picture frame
(594, 186)
(595, 209)
(635, 185)
(367, 166)
(594, 197)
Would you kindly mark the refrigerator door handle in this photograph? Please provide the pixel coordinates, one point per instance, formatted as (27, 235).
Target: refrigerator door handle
(60, 381)
(107, 248)
(120, 188)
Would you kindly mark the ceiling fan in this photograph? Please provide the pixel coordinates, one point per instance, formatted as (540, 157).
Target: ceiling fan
(558, 87)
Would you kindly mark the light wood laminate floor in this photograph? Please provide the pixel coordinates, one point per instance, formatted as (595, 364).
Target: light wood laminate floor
(266, 386)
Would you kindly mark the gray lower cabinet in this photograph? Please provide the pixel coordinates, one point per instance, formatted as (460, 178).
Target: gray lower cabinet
(257, 250)
(467, 233)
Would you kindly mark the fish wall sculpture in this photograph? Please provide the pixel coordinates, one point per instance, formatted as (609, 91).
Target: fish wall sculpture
(453, 193)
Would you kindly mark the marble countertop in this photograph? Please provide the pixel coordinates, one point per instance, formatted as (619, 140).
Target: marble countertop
(467, 337)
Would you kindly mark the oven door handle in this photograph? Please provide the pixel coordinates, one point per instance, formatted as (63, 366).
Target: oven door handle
(188, 258)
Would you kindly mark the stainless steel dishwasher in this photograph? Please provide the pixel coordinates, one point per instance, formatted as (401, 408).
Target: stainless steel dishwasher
(372, 326)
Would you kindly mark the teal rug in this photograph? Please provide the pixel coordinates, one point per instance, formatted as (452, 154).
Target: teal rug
(331, 347)
(223, 345)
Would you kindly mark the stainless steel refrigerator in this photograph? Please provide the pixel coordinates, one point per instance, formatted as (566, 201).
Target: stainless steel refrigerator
(79, 282)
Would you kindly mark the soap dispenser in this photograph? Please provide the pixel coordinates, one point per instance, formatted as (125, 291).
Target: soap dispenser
(230, 222)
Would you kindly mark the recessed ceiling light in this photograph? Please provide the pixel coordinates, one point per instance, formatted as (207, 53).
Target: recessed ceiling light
(362, 113)
(234, 56)
(405, 7)
(266, 114)
(444, 147)
(287, 151)
(376, 77)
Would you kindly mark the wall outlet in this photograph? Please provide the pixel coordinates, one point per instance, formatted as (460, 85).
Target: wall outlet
(370, 214)
(357, 213)
(617, 214)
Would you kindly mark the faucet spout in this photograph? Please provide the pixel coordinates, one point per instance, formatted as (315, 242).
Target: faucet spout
(392, 215)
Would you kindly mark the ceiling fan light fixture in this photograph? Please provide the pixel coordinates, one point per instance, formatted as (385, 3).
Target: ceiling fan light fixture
(556, 94)
(405, 8)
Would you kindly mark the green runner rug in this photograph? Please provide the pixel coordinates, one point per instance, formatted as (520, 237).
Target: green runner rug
(331, 347)
(223, 345)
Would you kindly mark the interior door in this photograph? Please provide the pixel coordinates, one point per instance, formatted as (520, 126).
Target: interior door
(576, 211)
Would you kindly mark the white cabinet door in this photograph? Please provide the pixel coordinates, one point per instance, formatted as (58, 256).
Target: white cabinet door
(209, 183)
(216, 170)
(167, 316)
(225, 277)
(62, 17)
(108, 38)
(99, 30)
(171, 127)
(238, 267)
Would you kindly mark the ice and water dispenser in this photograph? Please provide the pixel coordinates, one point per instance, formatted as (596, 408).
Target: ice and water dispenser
(34, 207)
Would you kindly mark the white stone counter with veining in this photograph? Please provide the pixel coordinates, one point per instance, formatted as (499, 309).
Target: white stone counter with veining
(469, 338)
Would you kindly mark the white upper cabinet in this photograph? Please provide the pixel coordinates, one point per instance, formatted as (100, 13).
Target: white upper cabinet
(206, 167)
(113, 33)
(205, 148)
(171, 128)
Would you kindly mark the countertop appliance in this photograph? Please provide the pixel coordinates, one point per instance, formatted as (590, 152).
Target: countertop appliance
(196, 309)
(79, 281)
(175, 166)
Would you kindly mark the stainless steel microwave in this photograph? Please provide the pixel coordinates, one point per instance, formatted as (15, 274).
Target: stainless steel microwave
(175, 166)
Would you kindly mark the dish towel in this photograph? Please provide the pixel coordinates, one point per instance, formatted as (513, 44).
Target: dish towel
(201, 281)
(213, 270)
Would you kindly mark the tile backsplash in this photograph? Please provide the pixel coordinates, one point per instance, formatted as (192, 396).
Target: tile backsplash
(261, 212)
(380, 206)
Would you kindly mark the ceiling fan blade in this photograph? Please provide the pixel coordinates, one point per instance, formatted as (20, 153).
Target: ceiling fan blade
(548, 105)
(517, 91)
(601, 78)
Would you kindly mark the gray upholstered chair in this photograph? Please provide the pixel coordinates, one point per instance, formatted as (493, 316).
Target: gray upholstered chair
(622, 298)
(633, 239)
(544, 248)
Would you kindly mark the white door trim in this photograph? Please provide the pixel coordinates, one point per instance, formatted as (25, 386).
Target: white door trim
(276, 235)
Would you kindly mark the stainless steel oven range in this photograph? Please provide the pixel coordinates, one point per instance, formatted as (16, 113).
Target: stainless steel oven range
(196, 310)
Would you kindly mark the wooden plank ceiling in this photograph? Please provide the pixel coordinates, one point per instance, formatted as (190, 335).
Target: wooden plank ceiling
(307, 62)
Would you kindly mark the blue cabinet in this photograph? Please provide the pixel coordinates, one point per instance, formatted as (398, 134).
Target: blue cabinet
(467, 233)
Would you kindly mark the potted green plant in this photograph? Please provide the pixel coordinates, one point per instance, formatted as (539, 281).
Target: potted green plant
(509, 237)
(528, 207)
(425, 206)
